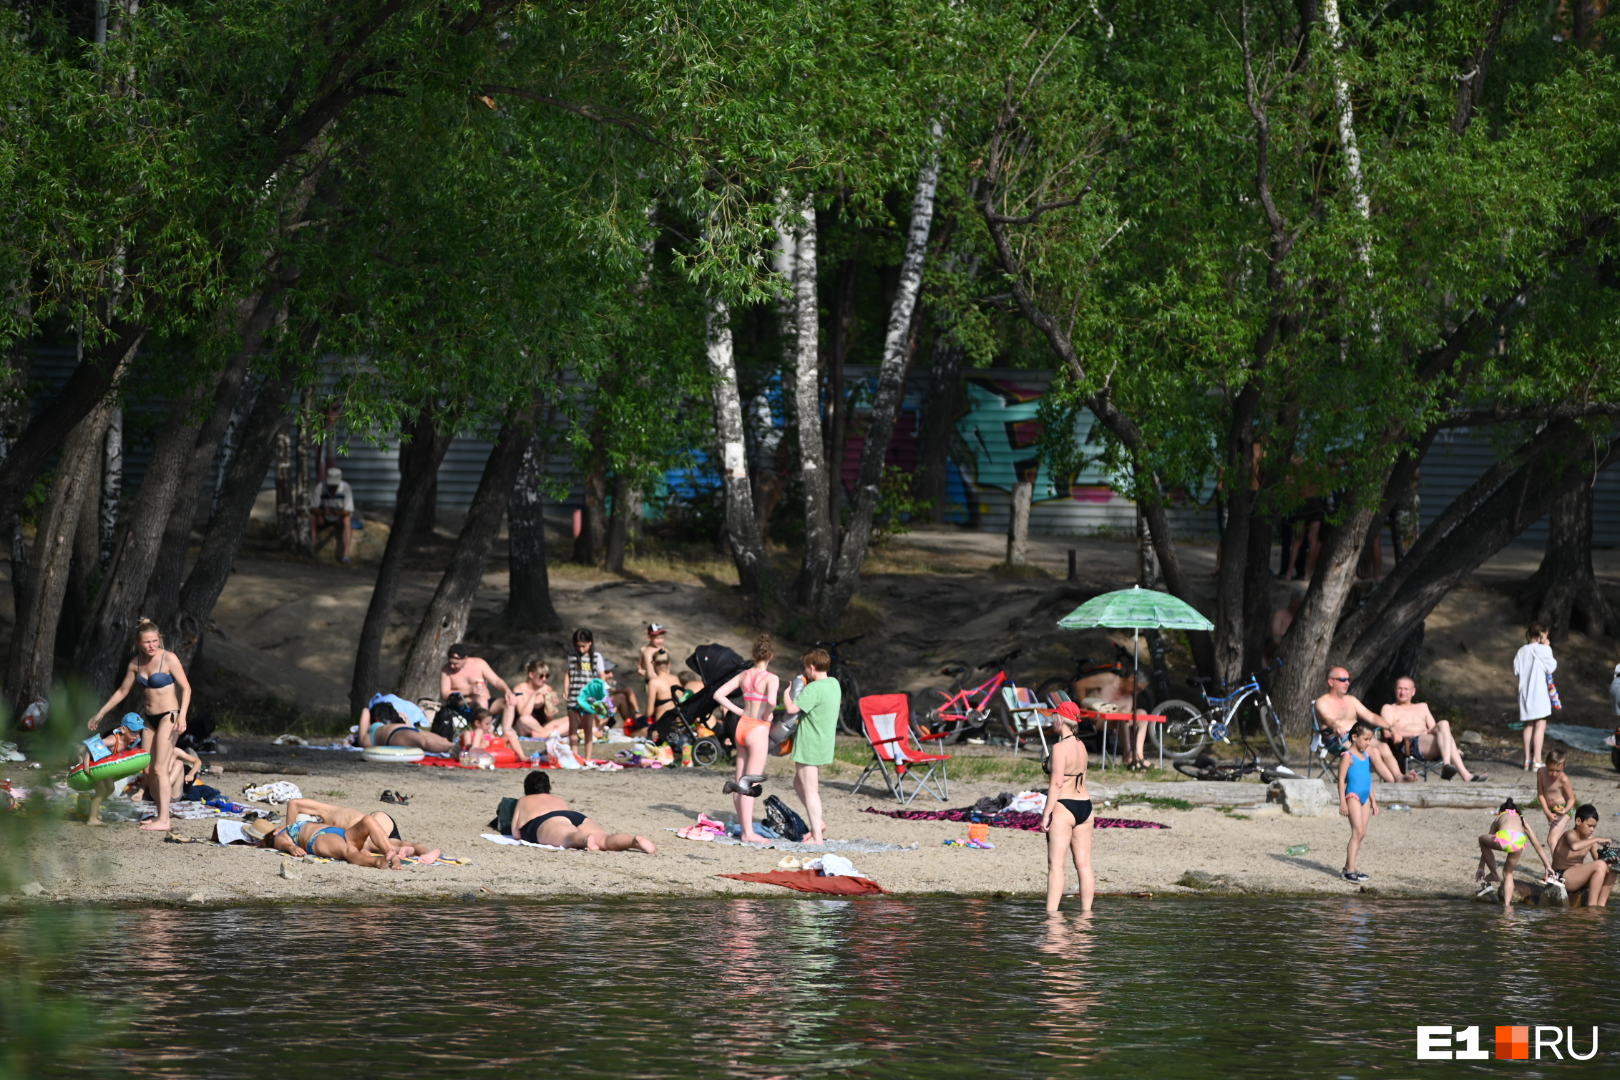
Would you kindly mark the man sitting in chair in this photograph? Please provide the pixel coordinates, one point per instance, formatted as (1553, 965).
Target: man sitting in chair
(1338, 710)
(1412, 723)
(333, 506)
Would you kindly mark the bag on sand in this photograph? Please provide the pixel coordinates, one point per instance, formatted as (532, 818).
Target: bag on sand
(502, 821)
(784, 820)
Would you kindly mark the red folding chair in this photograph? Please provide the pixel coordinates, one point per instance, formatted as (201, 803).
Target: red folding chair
(897, 751)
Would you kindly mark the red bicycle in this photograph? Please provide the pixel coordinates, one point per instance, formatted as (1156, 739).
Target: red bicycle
(962, 711)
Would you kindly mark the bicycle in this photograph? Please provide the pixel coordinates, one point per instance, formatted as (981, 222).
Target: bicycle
(955, 712)
(1246, 709)
(849, 710)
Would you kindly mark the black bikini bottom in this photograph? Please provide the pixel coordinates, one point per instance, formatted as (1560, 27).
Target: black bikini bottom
(1079, 808)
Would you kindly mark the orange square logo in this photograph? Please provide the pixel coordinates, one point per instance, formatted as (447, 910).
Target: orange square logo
(1513, 1043)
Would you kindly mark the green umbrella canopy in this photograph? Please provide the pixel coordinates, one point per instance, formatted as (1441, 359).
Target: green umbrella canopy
(1135, 608)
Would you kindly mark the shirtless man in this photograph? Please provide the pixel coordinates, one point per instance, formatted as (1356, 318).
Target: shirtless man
(347, 818)
(1412, 722)
(471, 677)
(1338, 710)
(543, 818)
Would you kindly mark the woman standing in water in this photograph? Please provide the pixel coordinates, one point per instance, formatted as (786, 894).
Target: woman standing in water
(1067, 821)
(166, 695)
(753, 735)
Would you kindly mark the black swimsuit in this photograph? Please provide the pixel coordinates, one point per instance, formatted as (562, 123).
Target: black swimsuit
(1079, 809)
(531, 828)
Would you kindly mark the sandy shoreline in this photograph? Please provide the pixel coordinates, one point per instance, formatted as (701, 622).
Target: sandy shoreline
(1417, 853)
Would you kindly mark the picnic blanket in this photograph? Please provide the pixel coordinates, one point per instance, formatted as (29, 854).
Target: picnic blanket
(502, 763)
(1006, 819)
(812, 881)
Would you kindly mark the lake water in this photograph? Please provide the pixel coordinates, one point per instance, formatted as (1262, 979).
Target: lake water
(882, 987)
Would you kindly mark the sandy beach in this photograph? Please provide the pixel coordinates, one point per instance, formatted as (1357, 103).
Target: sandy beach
(1418, 852)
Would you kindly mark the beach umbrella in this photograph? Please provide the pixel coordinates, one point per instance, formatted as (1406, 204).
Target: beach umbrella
(1135, 609)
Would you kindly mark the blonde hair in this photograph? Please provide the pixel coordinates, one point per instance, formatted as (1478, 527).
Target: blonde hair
(660, 660)
(144, 626)
(538, 669)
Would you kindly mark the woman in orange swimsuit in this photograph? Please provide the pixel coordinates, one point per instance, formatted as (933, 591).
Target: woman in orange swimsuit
(759, 688)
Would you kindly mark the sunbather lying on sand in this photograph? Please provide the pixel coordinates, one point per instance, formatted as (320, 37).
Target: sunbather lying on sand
(346, 817)
(332, 842)
(543, 818)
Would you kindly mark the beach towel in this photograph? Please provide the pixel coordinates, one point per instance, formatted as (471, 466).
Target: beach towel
(1592, 740)
(812, 882)
(512, 841)
(1007, 819)
(500, 763)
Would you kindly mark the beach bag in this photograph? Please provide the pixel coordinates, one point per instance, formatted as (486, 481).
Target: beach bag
(502, 821)
(1552, 694)
(784, 820)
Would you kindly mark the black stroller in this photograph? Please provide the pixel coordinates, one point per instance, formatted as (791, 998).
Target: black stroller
(714, 664)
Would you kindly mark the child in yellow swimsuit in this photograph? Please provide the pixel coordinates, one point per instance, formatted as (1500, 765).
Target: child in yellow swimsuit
(1508, 833)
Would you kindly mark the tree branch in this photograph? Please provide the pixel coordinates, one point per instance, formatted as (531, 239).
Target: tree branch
(595, 113)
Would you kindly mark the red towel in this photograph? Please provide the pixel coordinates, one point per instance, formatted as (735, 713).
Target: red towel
(813, 881)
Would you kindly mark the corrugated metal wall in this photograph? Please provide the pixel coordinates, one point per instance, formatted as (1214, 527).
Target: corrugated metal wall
(996, 438)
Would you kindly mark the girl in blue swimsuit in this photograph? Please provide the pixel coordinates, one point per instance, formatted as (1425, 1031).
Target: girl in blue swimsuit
(1067, 822)
(1356, 800)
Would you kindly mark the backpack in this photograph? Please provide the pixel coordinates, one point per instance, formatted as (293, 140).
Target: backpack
(784, 820)
(502, 821)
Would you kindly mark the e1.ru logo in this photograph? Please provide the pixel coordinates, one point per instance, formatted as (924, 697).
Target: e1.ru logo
(1513, 1043)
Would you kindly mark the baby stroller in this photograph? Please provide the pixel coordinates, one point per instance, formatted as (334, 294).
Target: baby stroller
(714, 664)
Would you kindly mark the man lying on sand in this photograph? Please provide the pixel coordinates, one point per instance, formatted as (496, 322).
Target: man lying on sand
(346, 817)
(543, 818)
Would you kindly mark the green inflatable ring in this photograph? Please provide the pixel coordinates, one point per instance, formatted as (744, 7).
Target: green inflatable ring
(130, 762)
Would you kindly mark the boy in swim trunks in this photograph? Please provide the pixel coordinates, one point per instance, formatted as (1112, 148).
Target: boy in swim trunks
(1508, 833)
(1571, 854)
(1555, 794)
(542, 818)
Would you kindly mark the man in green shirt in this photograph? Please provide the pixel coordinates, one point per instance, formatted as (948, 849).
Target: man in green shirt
(819, 701)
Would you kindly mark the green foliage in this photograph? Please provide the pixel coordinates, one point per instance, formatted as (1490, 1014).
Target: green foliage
(43, 1029)
(897, 505)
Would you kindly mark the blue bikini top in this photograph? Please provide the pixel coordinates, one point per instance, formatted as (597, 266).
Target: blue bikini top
(157, 680)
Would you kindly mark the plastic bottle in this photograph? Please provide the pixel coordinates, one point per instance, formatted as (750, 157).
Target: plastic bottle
(686, 755)
(1297, 849)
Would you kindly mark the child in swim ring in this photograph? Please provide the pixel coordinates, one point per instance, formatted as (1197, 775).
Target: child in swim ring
(1508, 833)
(1556, 794)
(126, 736)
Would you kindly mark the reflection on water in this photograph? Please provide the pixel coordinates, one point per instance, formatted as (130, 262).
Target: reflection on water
(755, 989)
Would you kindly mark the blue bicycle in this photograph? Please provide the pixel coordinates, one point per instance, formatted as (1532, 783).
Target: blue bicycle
(1242, 712)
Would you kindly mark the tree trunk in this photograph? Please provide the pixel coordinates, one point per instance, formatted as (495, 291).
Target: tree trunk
(1231, 593)
(33, 641)
(814, 463)
(1499, 506)
(13, 419)
(622, 524)
(1023, 494)
(742, 527)
(260, 439)
(837, 423)
(409, 504)
(528, 600)
(445, 621)
(108, 634)
(418, 462)
(590, 546)
(1564, 591)
(39, 442)
(86, 567)
(255, 317)
(941, 406)
(856, 535)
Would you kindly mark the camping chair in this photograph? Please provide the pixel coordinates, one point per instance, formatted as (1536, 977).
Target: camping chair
(1026, 716)
(1323, 758)
(897, 752)
(1415, 763)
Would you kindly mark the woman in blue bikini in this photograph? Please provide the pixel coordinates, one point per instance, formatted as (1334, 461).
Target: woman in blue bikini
(1067, 822)
(332, 842)
(165, 698)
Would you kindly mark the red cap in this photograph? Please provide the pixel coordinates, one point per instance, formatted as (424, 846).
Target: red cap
(1069, 709)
